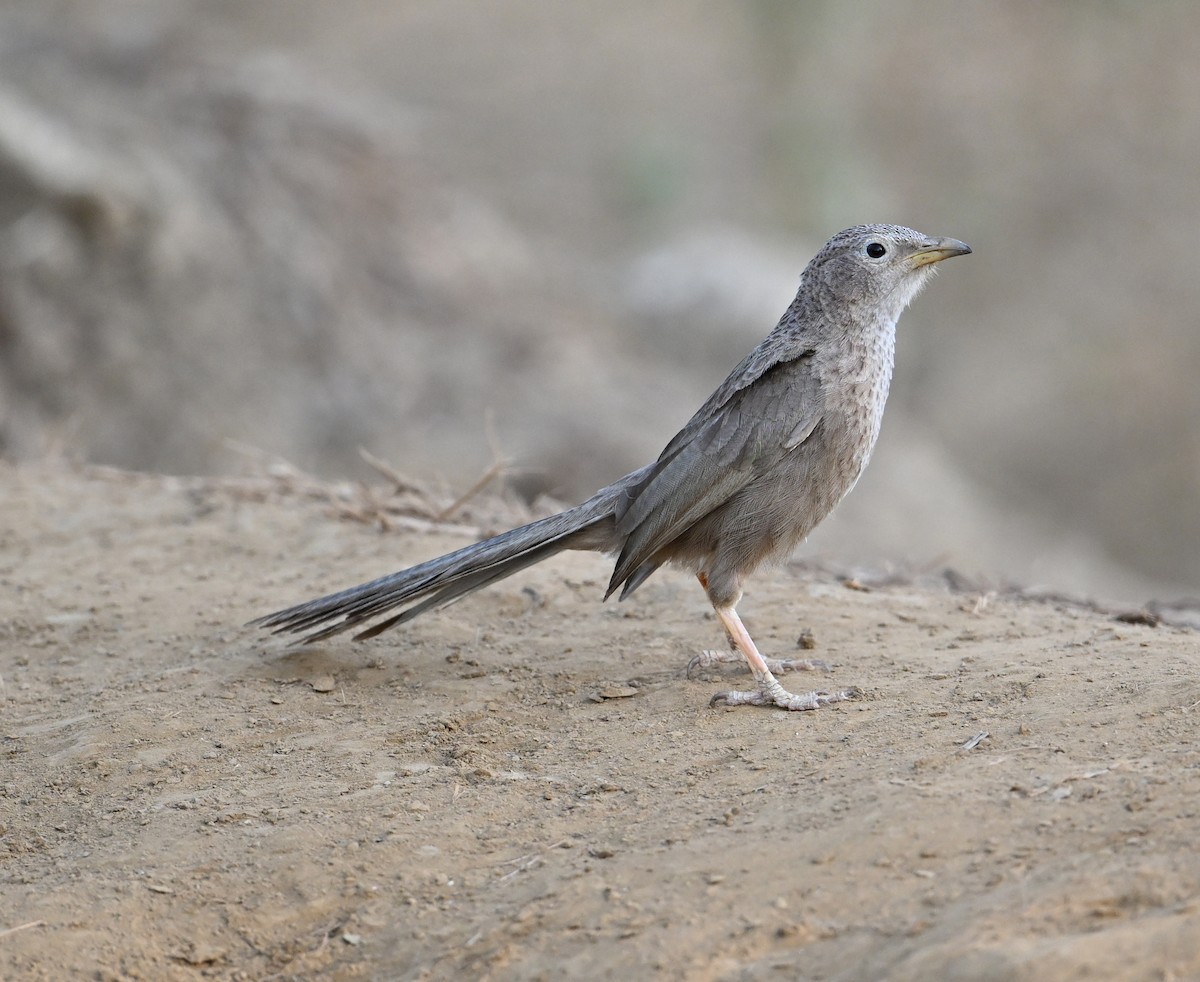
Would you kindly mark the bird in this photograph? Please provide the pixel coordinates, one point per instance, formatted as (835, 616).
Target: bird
(765, 459)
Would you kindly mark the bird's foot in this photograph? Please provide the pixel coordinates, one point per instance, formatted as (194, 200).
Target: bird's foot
(711, 659)
(769, 692)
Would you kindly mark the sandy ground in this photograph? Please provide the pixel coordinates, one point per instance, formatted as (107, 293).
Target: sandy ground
(527, 786)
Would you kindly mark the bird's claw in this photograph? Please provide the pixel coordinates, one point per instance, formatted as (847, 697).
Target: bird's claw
(770, 693)
(798, 665)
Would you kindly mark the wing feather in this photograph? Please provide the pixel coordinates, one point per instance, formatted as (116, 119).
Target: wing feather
(763, 411)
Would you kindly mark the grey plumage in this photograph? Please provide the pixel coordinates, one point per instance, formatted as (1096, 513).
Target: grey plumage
(759, 465)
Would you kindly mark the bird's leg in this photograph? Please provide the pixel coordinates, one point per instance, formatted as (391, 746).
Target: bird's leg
(768, 691)
(711, 658)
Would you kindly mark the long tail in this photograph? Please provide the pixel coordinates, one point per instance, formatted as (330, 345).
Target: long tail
(445, 579)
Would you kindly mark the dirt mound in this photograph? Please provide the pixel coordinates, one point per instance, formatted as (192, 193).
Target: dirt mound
(526, 785)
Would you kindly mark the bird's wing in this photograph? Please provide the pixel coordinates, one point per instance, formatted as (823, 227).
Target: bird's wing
(766, 408)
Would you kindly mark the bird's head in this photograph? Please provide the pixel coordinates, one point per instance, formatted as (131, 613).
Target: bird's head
(877, 267)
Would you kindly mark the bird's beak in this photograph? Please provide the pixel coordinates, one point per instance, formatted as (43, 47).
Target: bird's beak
(937, 250)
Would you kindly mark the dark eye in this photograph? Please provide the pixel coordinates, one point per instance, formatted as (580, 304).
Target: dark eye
(876, 249)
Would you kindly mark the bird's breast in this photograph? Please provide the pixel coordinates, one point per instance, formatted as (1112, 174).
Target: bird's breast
(856, 382)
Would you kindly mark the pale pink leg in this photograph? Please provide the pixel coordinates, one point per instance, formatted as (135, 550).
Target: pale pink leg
(768, 691)
(712, 658)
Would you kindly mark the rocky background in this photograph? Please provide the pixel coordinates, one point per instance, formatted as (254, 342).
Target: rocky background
(453, 233)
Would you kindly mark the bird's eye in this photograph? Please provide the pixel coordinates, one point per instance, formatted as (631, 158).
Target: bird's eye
(876, 249)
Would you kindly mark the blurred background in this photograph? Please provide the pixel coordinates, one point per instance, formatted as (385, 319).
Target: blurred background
(445, 231)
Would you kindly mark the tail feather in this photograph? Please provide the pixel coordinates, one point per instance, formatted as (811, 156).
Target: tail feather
(444, 579)
(460, 587)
